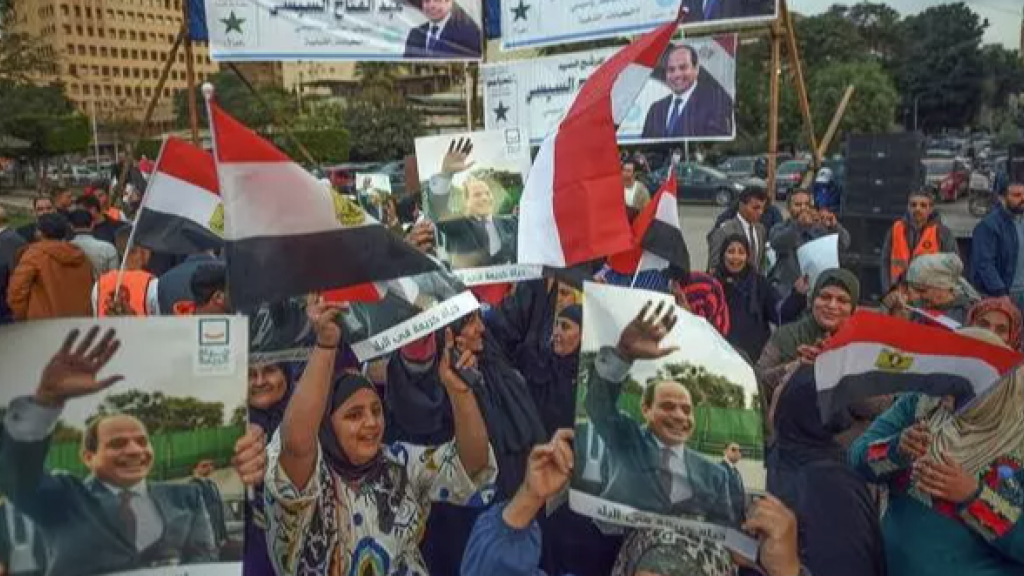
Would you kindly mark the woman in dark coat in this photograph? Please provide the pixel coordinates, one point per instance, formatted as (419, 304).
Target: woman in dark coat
(754, 305)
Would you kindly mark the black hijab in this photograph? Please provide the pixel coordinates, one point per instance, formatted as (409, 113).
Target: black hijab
(743, 285)
(270, 418)
(386, 482)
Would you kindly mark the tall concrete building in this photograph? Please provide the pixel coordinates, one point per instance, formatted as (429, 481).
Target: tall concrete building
(111, 52)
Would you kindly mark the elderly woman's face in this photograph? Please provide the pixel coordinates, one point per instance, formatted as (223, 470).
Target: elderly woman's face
(267, 385)
(359, 426)
(832, 307)
(996, 322)
(930, 295)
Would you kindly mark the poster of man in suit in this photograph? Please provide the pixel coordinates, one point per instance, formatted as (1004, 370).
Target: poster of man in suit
(697, 107)
(471, 193)
(91, 409)
(449, 32)
(664, 394)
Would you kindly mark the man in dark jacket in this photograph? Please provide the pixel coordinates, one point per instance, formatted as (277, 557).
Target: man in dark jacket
(996, 269)
(449, 32)
(805, 224)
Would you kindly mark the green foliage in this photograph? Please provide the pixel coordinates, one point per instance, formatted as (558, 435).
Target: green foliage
(148, 148)
(706, 388)
(325, 146)
(874, 104)
(381, 129)
(161, 413)
(45, 118)
(942, 65)
(236, 99)
(239, 417)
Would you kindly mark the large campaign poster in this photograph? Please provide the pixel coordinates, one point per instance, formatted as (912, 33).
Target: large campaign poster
(691, 94)
(668, 425)
(472, 183)
(248, 30)
(117, 441)
(535, 23)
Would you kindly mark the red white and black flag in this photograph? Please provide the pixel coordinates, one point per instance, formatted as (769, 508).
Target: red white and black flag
(181, 211)
(657, 236)
(875, 354)
(286, 234)
(573, 209)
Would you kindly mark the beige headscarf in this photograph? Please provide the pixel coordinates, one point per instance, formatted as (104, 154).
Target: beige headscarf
(942, 271)
(989, 427)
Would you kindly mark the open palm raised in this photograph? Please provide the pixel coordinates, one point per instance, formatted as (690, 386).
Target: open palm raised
(641, 338)
(73, 371)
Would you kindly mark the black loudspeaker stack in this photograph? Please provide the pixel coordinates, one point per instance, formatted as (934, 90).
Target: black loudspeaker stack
(881, 171)
(1016, 160)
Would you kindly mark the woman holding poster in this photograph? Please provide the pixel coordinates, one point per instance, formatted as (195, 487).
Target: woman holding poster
(341, 503)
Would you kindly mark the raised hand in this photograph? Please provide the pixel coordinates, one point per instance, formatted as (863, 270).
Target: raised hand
(457, 158)
(641, 338)
(73, 371)
(322, 316)
(550, 466)
(250, 459)
(776, 526)
(421, 236)
(447, 368)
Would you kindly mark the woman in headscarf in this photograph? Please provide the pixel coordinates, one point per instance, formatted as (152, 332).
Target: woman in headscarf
(954, 479)
(832, 302)
(935, 284)
(338, 501)
(807, 469)
(539, 327)
(999, 316)
(754, 305)
(418, 413)
(704, 296)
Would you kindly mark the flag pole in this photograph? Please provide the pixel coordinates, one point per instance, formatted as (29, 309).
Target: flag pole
(190, 74)
(135, 227)
(639, 267)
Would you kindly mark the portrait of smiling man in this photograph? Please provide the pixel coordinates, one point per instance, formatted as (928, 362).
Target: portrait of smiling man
(115, 519)
(652, 468)
(697, 107)
(449, 32)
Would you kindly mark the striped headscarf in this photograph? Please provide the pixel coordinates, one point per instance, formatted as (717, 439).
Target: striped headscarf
(1005, 306)
(703, 295)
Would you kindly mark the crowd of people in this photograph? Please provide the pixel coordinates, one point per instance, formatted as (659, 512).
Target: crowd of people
(448, 456)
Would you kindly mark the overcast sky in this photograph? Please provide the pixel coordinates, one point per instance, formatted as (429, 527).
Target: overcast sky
(1004, 16)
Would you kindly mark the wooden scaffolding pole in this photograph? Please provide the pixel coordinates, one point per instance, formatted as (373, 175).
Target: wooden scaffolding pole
(773, 107)
(151, 107)
(833, 127)
(793, 50)
(190, 76)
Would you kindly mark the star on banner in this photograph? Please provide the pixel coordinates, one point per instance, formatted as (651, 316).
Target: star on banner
(232, 22)
(501, 112)
(520, 11)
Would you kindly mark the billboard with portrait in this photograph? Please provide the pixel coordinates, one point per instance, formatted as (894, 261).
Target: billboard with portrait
(260, 30)
(532, 24)
(690, 96)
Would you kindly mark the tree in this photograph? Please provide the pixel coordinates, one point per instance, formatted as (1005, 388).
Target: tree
(236, 99)
(941, 69)
(239, 417)
(874, 104)
(706, 389)
(381, 130)
(829, 37)
(161, 413)
(45, 118)
(1003, 76)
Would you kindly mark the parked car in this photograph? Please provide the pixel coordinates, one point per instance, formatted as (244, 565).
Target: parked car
(788, 177)
(699, 183)
(737, 166)
(949, 179)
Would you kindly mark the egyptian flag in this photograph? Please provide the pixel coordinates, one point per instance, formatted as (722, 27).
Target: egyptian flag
(875, 354)
(286, 234)
(657, 236)
(572, 208)
(181, 211)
